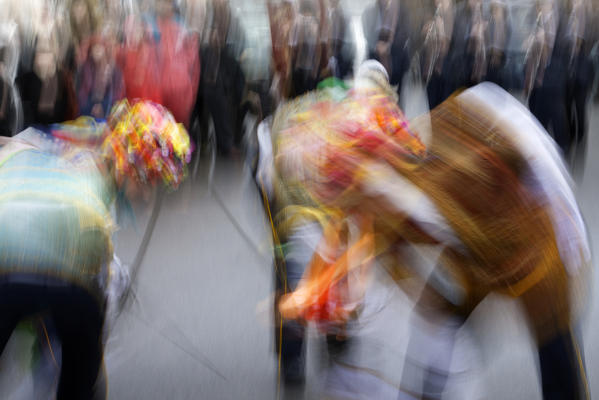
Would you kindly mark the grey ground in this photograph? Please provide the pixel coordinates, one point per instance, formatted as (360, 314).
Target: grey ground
(200, 326)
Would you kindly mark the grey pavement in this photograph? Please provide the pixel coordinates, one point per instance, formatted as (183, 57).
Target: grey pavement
(200, 326)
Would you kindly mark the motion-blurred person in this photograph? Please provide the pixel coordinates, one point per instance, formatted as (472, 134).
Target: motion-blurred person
(52, 264)
(436, 69)
(498, 34)
(546, 73)
(10, 103)
(581, 36)
(85, 22)
(179, 63)
(386, 25)
(222, 78)
(341, 40)
(307, 43)
(281, 17)
(47, 91)
(295, 235)
(491, 192)
(138, 60)
(468, 52)
(59, 193)
(99, 80)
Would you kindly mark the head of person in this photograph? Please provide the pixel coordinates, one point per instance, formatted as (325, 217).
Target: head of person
(383, 4)
(221, 6)
(134, 30)
(372, 75)
(44, 62)
(498, 8)
(99, 50)
(474, 4)
(307, 7)
(546, 6)
(165, 8)
(288, 9)
(82, 17)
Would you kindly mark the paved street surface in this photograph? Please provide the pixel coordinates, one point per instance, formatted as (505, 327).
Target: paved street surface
(200, 325)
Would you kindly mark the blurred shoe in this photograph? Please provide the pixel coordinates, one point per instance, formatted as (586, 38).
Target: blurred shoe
(294, 372)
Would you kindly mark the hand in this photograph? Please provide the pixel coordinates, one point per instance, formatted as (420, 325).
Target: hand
(291, 306)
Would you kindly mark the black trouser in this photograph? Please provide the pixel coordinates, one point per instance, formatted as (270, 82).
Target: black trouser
(496, 73)
(303, 81)
(290, 335)
(578, 89)
(78, 318)
(549, 107)
(562, 369)
(435, 90)
(219, 106)
(548, 103)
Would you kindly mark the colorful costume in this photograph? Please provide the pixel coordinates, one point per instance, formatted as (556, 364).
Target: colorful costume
(56, 237)
(489, 189)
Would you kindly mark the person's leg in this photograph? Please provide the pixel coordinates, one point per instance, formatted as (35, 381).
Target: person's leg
(434, 328)
(8, 322)
(17, 301)
(562, 129)
(300, 247)
(216, 104)
(434, 90)
(582, 86)
(548, 306)
(79, 319)
(562, 368)
(581, 98)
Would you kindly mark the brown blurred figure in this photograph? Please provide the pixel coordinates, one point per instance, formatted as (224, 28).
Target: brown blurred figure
(281, 18)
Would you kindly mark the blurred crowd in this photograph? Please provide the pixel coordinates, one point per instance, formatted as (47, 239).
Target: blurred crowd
(65, 58)
(61, 59)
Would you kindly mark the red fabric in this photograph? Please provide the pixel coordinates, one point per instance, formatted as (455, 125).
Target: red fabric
(140, 71)
(179, 69)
